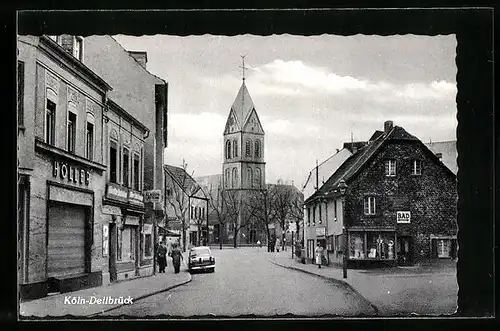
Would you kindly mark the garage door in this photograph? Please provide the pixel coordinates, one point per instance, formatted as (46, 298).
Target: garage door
(66, 247)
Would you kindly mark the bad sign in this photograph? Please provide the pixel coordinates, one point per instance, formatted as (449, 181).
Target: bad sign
(403, 216)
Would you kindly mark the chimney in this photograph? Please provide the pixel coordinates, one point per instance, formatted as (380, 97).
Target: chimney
(67, 43)
(439, 156)
(141, 57)
(388, 126)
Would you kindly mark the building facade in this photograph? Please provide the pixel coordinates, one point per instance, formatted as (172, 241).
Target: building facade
(62, 170)
(399, 205)
(143, 96)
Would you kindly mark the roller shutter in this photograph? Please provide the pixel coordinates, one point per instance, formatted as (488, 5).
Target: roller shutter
(66, 240)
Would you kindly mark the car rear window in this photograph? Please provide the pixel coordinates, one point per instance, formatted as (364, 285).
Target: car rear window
(200, 251)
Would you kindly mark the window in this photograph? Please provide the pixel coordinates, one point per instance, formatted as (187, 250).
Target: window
(369, 205)
(20, 93)
(417, 167)
(314, 215)
(50, 116)
(136, 172)
(71, 135)
(227, 179)
(235, 148)
(89, 152)
(126, 247)
(257, 148)
(390, 167)
(257, 179)
(335, 210)
(147, 245)
(444, 248)
(113, 155)
(192, 211)
(320, 217)
(78, 48)
(125, 167)
(228, 149)
(249, 177)
(308, 216)
(235, 178)
(248, 148)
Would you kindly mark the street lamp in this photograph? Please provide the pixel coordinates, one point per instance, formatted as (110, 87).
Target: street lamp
(342, 189)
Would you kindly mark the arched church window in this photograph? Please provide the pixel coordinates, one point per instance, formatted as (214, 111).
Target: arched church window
(257, 148)
(249, 177)
(235, 178)
(235, 148)
(248, 148)
(227, 179)
(257, 179)
(228, 149)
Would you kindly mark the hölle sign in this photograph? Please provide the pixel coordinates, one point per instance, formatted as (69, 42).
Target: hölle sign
(70, 173)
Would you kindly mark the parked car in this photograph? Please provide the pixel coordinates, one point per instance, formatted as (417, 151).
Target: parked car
(201, 258)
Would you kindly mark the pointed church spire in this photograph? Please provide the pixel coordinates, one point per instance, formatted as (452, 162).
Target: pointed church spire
(243, 66)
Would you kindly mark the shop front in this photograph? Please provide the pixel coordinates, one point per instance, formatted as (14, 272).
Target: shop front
(372, 246)
(61, 225)
(129, 239)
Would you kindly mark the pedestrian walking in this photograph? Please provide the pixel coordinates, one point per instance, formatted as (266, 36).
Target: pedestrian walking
(319, 254)
(176, 258)
(284, 244)
(162, 256)
(277, 245)
(259, 244)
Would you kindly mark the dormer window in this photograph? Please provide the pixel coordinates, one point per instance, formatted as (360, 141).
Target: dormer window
(390, 168)
(78, 48)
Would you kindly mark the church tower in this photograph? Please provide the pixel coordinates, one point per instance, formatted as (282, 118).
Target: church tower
(243, 166)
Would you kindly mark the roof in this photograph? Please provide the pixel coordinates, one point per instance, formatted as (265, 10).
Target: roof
(242, 105)
(182, 179)
(355, 162)
(448, 150)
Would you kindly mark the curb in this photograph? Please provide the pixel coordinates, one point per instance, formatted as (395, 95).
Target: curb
(143, 296)
(330, 279)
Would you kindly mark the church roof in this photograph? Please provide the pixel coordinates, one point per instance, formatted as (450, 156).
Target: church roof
(242, 105)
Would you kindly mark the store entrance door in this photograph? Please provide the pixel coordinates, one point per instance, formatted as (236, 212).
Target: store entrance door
(405, 250)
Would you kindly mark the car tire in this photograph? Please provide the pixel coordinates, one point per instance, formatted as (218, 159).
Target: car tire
(212, 270)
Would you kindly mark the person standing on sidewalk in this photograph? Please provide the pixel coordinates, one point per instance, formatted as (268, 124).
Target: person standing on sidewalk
(176, 258)
(319, 254)
(162, 256)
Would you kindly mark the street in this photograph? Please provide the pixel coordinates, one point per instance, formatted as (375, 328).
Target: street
(244, 283)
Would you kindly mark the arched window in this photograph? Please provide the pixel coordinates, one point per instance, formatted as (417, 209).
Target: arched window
(257, 179)
(228, 149)
(235, 148)
(227, 179)
(235, 178)
(257, 148)
(248, 148)
(250, 177)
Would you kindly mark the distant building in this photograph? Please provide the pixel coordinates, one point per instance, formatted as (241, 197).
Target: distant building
(399, 206)
(446, 152)
(186, 207)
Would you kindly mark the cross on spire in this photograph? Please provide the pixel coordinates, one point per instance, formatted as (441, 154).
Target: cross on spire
(243, 66)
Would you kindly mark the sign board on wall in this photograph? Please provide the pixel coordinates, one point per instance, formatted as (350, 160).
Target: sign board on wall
(105, 240)
(320, 232)
(152, 196)
(403, 216)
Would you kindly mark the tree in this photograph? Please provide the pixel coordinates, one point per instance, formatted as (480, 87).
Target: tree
(283, 202)
(297, 210)
(260, 206)
(216, 205)
(178, 200)
(237, 213)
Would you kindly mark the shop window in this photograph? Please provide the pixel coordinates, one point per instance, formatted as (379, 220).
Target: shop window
(127, 244)
(248, 148)
(257, 148)
(89, 152)
(71, 134)
(356, 245)
(390, 167)
(125, 167)
(147, 245)
(235, 148)
(113, 162)
(136, 166)
(369, 205)
(50, 117)
(20, 93)
(417, 167)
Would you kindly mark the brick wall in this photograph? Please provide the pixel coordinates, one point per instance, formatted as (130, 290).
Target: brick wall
(431, 197)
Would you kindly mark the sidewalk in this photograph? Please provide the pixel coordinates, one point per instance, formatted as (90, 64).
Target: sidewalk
(423, 290)
(138, 288)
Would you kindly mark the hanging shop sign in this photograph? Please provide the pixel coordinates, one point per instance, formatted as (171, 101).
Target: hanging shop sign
(403, 217)
(70, 173)
(116, 192)
(135, 197)
(152, 196)
(320, 232)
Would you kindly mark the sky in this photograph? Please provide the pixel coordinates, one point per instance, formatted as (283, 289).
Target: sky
(310, 93)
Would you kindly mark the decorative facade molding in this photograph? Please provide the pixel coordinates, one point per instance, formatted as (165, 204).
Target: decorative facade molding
(52, 82)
